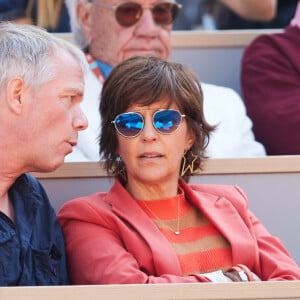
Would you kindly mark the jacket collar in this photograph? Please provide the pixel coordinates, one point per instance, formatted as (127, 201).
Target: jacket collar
(26, 201)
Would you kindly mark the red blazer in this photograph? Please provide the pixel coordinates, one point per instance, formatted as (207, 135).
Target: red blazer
(110, 240)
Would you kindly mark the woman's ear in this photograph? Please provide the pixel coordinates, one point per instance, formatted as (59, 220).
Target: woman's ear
(14, 90)
(83, 14)
(189, 139)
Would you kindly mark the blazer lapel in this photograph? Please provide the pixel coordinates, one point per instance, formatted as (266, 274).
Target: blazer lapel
(226, 218)
(164, 257)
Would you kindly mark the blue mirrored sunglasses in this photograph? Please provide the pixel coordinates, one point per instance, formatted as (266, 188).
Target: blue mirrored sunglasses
(131, 124)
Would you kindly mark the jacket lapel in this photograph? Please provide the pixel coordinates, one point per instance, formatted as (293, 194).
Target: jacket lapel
(164, 257)
(231, 223)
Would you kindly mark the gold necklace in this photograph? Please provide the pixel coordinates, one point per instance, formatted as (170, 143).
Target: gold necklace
(177, 231)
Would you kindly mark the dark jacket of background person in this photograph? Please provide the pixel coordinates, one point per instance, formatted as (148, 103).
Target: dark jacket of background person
(271, 90)
(11, 10)
(28, 257)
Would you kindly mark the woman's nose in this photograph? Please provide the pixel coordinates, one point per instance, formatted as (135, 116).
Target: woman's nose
(149, 133)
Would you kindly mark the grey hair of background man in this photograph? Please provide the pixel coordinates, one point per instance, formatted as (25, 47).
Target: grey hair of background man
(27, 52)
(75, 27)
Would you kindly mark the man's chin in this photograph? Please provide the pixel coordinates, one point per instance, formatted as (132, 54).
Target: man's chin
(145, 53)
(53, 165)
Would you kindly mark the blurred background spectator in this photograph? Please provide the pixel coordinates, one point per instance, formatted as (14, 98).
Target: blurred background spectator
(190, 16)
(226, 18)
(49, 14)
(270, 77)
(234, 14)
(195, 14)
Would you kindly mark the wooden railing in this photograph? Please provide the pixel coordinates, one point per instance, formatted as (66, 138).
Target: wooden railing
(216, 166)
(204, 39)
(280, 290)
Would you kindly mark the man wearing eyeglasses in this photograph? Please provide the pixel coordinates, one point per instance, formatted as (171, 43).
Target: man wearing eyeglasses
(112, 31)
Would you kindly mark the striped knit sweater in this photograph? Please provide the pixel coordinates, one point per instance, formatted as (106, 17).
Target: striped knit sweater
(199, 246)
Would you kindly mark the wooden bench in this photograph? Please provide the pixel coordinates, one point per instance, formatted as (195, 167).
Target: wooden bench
(204, 291)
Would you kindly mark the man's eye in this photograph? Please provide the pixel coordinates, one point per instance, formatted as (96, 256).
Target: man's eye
(72, 98)
(68, 98)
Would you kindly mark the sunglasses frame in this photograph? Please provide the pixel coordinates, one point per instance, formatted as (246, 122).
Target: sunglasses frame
(116, 6)
(143, 119)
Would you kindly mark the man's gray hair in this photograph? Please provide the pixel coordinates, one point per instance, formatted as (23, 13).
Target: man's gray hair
(78, 34)
(27, 51)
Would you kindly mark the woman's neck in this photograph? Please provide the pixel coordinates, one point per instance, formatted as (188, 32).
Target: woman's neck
(145, 191)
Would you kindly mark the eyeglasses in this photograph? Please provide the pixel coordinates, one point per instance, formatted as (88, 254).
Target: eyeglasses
(129, 13)
(131, 124)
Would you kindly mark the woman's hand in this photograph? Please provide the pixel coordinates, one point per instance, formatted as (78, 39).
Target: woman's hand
(241, 273)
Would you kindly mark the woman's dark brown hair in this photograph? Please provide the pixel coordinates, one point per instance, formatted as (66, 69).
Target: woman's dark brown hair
(143, 81)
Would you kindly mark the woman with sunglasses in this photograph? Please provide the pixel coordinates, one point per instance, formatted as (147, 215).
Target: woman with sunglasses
(152, 226)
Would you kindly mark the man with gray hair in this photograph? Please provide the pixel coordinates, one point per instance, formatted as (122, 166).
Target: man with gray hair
(108, 34)
(41, 88)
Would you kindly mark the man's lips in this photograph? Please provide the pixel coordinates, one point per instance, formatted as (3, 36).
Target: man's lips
(72, 143)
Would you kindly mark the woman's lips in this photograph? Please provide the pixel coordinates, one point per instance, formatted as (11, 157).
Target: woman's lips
(150, 155)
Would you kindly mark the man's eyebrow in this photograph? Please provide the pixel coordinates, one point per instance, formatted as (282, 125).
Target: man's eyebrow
(76, 91)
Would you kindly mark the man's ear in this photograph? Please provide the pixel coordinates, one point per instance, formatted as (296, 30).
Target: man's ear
(14, 90)
(83, 14)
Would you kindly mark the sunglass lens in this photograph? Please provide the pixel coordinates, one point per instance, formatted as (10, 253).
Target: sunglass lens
(129, 13)
(129, 124)
(165, 13)
(166, 121)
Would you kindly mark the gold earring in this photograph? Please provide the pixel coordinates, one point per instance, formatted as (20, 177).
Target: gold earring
(123, 173)
(190, 166)
(122, 168)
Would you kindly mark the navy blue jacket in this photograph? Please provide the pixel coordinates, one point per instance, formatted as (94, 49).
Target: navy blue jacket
(31, 248)
(12, 9)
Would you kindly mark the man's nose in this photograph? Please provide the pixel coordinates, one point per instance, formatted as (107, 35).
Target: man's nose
(80, 121)
(146, 25)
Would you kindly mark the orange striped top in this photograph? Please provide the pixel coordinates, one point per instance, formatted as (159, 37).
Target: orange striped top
(199, 246)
